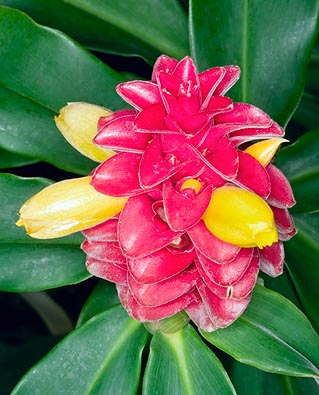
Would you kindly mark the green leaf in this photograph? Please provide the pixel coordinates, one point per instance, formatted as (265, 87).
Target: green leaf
(9, 159)
(302, 259)
(101, 357)
(55, 71)
(262, 37)
(27, 264)
(306, 116)
(248, 380)
(180, 363)
(300, 163)
(272, 335)
(162, 24)
(102, 298)
(100, 34)
(26, 127)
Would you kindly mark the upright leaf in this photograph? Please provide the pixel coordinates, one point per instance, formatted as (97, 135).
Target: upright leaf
(180, 363)
(101, 357)
(262, 37)
(263, 337)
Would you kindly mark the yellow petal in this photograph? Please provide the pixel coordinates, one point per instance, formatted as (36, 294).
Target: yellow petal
(240, 217)
(78, 124)
(67, 207)
(265, 150)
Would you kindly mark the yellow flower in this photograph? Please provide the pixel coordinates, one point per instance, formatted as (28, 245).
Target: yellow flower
(77, 122)
(240, 217)
(67, 207)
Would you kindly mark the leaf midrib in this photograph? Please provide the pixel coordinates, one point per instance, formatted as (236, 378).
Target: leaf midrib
(125, 335)
(281, 341)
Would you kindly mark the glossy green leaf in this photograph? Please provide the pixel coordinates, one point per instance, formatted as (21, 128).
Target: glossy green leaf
(263, 337)
(102, 298)
(42, 70)
(9, 159)
(26, 127)
(180, 363)
(27, 264)
(162, 24)
(300, 163)
(302, 259)
(104, 34)
(282, 284)
(87, 29)
(248, 380)
(262, 37)
(101, 357)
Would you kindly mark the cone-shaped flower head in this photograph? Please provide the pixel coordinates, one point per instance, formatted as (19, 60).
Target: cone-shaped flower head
(199, 208)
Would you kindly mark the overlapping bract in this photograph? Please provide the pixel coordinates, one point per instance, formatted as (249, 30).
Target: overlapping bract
(183, 140)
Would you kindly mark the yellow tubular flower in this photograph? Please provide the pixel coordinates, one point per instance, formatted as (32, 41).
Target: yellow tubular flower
(77, 122)
(67, 207)
(265, 150)
(240, 217)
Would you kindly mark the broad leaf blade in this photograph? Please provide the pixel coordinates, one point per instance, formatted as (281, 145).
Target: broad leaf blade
(248, 380)
(262, 37)
(55, 71)
(263, 337)
(160, 24)
(27, 127)
(180, 363)
(102, 356)
(9, 159)
(28, 264)
(300, 163)
(87, 29)
(103, 297)
(302, 254)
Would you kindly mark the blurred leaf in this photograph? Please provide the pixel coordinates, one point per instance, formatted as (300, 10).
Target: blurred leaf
(102, 298)
(180, 363)
(28, 264)
(101, 357)
(15, 359)
(302, 258)
(262, 37)
(162, 24)
(55, 71)
(300, 163)
(263, 337)
(306, 116)
(9, 159)
(108, 32)
(248, 380)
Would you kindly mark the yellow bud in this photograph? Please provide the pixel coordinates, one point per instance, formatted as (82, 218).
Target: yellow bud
(67, 207)
(265, 150)
(191, 183)
(240, 217)
(78, 124)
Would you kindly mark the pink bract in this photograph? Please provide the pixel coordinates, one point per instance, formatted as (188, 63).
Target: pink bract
(158, 250)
